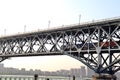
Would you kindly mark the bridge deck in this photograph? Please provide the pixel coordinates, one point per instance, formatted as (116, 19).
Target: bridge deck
(67, 27)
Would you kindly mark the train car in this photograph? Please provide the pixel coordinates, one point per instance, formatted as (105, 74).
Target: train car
(90, 46)
(107, 44)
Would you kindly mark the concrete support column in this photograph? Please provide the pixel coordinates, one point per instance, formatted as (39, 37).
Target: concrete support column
(104, 77)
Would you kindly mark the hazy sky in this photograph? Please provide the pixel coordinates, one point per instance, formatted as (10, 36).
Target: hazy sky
(35, 14)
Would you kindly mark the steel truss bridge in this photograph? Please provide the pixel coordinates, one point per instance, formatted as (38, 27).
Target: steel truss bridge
(96, 44)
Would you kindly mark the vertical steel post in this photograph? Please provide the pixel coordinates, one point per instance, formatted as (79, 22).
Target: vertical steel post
(99, 49)
(36, 77)
(110, 54)
(73, 77)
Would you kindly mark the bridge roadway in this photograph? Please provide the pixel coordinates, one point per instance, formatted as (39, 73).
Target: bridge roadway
(96, 44)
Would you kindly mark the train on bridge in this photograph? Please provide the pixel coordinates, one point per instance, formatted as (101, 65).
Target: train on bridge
(91, 46)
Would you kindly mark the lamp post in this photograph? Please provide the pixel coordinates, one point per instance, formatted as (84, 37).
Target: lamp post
(49, 23)
(25, 28)
(79, 18)
(4, 31)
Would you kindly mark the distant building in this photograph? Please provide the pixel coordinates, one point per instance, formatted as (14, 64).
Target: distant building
(118, 75)
(65, 72)
(1, 66)
(83, 72)
(75, 72)
(89, 72)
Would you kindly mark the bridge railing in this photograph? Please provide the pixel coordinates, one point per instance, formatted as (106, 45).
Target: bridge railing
(30, 77)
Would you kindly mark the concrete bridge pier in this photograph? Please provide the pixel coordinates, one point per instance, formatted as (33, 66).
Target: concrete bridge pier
(103, 77)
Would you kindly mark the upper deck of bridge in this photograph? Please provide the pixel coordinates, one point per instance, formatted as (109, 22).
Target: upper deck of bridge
(66, 27)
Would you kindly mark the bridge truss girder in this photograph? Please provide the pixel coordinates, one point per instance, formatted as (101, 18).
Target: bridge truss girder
(97, 46)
